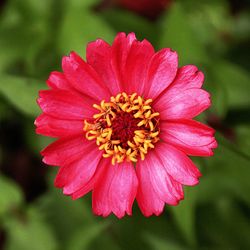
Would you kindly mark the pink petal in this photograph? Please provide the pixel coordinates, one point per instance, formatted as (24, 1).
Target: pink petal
(76, 175)
(115, 191)
(214, 144)
(84, 78)
(136, 68)
(66, 105)
(177, 164)
(90, 185)
(99, 56)
(50, 126)
(167, 189)
(161, 73)
(156, 186)
(119, 53)
(192, 137)
(187, 77)
(66, 150)
(146, 197)
(185, 104)
(57, 80)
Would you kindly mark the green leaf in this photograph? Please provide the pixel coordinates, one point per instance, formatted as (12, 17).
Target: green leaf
(163, 244)
(241, 26)
(184, 215)
(34, 141)
(211, 21)
(80, 26)
(218, 94)
(235, 80)
(10, 196)
(82, 227)
(24, 31)
(84, 236)
(177, 34)
(29, 232)
(231, 215)
(155, 225)
(126, 21)
(223, 225)
(243, 138)
(219, 99)
(227, 174)
(56, 206)
(21, 92)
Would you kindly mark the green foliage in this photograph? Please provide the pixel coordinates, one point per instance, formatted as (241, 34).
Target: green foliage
(80, 26)
(184, 215)
(126, 21)
(34, 35)
(235, 82)
(29, 231)
(218, 93)
(160, 244)
(177, 33)
(243, 138)
(233, 172)
(21, 92)
(211, 20)
(23, 31)
(84, 236)
(10, 196)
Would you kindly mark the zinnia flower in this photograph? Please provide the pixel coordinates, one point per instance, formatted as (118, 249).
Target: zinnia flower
(124, 125)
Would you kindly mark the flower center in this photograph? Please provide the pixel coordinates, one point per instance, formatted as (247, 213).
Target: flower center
(125, 128)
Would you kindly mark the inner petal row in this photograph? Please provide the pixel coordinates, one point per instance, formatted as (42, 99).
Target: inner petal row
(125, 128)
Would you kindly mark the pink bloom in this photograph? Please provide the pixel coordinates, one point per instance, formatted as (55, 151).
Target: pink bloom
(124, 125)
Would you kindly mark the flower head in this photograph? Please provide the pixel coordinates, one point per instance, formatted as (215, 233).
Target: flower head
(124, 123)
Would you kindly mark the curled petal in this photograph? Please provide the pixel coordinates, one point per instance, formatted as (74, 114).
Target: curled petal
(119, 53)
(161, 73)
(186, 104)
(137, 64)
(76, 175)
(187, 77)
(156, 186)
(146, 197)
(177, 164)
(57, 80)
(50, 126)
(84, 78)
(66, 150)
(99, 56)
(192, 137)
(115, 191)
(90, 185)
(63, 104)
(166, 188)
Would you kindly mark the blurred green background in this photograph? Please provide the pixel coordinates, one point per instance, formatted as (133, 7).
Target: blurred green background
(34, 35)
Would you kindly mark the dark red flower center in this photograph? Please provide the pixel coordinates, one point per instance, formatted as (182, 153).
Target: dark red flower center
(125, 128)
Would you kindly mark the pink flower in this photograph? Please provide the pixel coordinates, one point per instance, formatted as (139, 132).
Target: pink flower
(124, 125)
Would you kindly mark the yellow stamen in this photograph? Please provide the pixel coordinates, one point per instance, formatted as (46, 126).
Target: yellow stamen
(102, 130)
